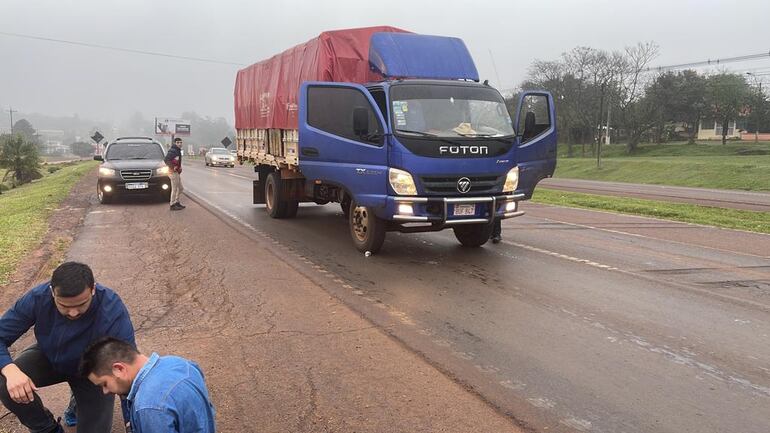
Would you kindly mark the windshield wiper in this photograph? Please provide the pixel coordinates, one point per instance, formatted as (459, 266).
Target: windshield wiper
(138, 157)
(420, 133)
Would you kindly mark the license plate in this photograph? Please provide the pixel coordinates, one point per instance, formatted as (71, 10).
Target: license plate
(465, 210)
(137, 185)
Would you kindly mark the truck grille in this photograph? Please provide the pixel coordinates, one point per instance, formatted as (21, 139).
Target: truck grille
(448, 185)
(135, 174)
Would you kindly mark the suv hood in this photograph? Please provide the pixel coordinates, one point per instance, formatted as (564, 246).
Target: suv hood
(125, 164)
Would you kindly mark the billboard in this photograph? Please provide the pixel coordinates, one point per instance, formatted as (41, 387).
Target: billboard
(175, 127)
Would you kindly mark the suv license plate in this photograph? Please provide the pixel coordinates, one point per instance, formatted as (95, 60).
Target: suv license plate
(137, 185)
(465, 210)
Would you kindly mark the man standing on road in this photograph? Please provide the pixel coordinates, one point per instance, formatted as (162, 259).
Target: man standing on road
(173, 160)
(68, 313)
(164, 393)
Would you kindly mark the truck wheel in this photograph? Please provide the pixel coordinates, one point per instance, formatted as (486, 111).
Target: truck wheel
(367, 231)
(291, 209)
(276, 208)
(473, 235)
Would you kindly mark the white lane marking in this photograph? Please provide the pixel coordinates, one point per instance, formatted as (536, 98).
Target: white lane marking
(563, 256)
(542, 402)
(577, 423)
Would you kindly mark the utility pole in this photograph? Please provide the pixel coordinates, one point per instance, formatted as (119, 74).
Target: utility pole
(11, 111)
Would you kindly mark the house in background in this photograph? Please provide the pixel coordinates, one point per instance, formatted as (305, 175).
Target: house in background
(52, 142)
(712, 130)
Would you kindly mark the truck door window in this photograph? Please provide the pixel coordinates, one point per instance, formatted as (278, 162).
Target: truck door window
(331, 109)
(534, 118)
(379, 98)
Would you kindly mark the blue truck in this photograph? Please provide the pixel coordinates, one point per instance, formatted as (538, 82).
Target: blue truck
(424, 146)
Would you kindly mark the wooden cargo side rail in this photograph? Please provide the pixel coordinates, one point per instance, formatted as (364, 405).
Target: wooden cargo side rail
(275, 147)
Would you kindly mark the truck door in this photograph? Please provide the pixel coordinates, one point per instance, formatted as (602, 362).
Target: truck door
(536, 130)
(342, 140)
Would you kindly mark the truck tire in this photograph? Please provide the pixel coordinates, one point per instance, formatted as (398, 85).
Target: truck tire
(275, 207)
(367, 231)
(473, 235)
(291, 209)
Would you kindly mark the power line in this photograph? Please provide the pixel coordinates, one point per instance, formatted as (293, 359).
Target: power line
(127, 50)
(712, 62)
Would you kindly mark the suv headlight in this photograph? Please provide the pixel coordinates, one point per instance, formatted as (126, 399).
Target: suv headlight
(401, 182)
(104, 171)
(162, 170)
(511, 180)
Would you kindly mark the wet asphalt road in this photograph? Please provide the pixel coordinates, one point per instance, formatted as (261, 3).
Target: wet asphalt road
(578, 321)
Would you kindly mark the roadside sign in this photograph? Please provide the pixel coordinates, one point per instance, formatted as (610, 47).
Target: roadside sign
(226, 142)
(97, 137)
(172, 127)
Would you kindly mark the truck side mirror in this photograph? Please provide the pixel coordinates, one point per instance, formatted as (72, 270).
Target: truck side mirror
(360, 121)
(98, 158)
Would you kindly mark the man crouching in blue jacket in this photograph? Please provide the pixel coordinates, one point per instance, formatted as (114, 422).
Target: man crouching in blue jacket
(164, 393)
(68, 313)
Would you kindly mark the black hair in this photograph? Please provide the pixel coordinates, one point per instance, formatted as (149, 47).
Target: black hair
(71, 279)
(101, 354)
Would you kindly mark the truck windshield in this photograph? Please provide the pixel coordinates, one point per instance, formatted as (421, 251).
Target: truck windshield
(434, 110)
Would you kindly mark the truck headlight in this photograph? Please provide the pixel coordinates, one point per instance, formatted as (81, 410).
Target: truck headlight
(104, 171)
(162, 171)
(401, 182)
(511, 180)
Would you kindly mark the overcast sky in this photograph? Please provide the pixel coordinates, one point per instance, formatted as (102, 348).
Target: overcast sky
(60, 79)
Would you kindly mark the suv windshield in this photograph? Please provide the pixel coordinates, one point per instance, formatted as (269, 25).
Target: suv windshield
(431, 110)
(134, 151)
(219, 151)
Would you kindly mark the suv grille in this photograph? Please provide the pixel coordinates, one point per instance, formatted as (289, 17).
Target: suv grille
(448, 185)
(135, 174)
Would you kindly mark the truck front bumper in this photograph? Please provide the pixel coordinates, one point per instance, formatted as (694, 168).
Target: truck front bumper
(443, 211)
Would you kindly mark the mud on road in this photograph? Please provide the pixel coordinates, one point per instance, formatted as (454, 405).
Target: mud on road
(279, 352)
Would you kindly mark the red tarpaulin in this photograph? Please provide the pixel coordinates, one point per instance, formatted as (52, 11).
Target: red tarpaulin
(266, 93)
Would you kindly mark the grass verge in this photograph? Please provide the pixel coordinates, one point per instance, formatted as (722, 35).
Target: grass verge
(718, 217)
(24, 213)
(750, 173)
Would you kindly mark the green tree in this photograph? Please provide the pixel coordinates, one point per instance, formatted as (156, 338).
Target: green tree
(19, 156)
(81, 148)
(679, 98)
(23, 127)
(727, 95)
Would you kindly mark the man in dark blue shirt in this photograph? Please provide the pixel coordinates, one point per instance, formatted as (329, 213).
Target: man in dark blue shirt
(164, 393)
(68, 313)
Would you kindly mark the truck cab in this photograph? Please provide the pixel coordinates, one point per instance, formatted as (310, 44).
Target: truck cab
(424, 155)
